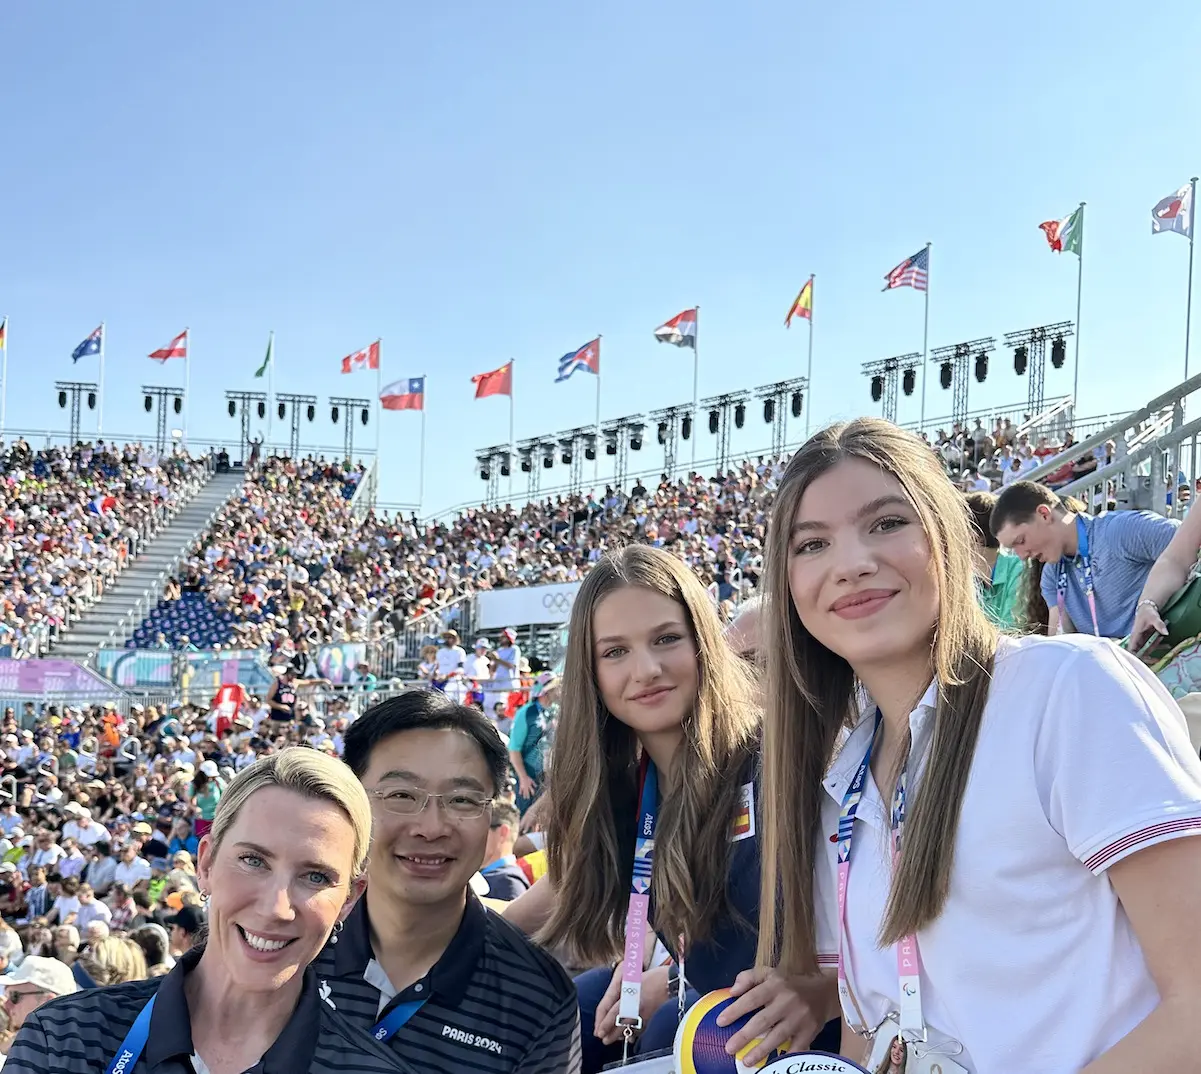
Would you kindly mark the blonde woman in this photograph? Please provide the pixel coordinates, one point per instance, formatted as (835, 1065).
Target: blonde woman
(113, 960)
(283, 866)
(1039, 912)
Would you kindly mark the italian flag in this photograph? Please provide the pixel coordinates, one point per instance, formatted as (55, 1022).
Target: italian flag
(1064, 235)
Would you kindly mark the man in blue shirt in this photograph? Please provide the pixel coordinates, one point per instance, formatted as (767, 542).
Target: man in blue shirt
(1119, 548)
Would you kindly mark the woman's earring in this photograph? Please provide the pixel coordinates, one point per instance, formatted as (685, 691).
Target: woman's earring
(337, 928)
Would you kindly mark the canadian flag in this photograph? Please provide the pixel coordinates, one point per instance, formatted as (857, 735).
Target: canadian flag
(367, 358)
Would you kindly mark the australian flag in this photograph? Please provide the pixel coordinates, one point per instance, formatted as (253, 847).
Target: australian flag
(94, 344)
(586, 358)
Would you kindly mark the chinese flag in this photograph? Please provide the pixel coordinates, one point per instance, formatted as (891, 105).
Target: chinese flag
(498, 382)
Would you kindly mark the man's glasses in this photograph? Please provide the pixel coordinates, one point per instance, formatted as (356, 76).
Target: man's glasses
(409, 801)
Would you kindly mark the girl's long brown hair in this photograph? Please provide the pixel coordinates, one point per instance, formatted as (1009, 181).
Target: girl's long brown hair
(594, 777)
(811, 698)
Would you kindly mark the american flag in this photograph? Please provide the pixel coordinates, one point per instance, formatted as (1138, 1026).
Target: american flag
(912, 272)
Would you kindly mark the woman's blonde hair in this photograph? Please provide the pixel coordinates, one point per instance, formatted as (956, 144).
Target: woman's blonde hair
(306, 772)
(114, 960)
(811, 698)
(594, 776)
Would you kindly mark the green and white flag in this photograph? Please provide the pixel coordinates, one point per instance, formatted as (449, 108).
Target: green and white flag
(270, 354)
(1063, 236)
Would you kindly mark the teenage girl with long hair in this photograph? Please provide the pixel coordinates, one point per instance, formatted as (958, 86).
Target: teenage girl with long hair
(653, 694)
(1001, 871)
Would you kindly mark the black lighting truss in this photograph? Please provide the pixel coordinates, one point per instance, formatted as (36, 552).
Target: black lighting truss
(576, 445)
(494, 463)
(621, 435)
(1029, 348)
(887, 375)
(248, 404)
(348, 408)
(777, 399)
(74, 392)
(669, 423)
(953, 370)
(165, 399)
(719, 408)
(533, 455)
(288, 403)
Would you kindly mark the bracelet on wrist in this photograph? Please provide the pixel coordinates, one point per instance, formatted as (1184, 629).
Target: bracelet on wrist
(1147, 602)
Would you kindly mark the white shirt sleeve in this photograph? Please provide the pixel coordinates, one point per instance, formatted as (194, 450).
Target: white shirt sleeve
(1114, 766)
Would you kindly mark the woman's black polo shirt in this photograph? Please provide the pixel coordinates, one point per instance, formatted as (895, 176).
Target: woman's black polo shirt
(80, 1034)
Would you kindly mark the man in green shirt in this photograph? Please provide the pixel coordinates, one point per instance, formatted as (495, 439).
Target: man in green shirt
(998, 572)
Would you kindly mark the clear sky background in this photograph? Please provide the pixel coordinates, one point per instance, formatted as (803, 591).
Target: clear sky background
(476, 181)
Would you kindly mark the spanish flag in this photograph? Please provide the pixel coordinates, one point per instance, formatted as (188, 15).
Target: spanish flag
(4, 334)
(803, 306)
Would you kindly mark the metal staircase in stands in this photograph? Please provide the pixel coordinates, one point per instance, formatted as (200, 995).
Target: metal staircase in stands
(138, 587)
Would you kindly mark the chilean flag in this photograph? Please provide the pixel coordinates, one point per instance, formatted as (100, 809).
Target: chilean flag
(102, 505)
(407, 394)
(177, 348)
(367, 358)
(680, 330)
(1174, 213)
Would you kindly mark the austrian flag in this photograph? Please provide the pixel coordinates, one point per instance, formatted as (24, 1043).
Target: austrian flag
(367, 358)
(177, 348)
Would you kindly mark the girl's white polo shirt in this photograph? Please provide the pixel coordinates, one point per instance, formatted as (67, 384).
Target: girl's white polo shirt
(1083, 759)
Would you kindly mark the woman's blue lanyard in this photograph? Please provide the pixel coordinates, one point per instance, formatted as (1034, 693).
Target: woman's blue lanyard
(134, 1043)
(388, 1026)
(1086, 566)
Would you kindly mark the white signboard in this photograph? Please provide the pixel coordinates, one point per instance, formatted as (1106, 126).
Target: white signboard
(521, 606)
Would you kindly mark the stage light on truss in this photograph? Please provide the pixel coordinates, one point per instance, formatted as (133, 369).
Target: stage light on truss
(662, 433)
(636, 438)
(310, 412)
(527, 464)
(1021, 356)
(504, 467)
(714, 420)
(232, 408)
(1059, 352)
(686, 427)
(739, 415)
(333, 414)
(877, 388)
(281, 410)
(485, 473)
(981, 366)
(262, 409)
(590, 448)
(364, 415)
(91, 400)
(565, 458)
(908, 381)
(548, 461)
(148, 403)
(62, 400)
(946, 374)
(178, 405)
(611, 445)
(798, 403)
(769, 411)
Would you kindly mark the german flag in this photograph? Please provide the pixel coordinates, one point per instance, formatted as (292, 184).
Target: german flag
(4, 334)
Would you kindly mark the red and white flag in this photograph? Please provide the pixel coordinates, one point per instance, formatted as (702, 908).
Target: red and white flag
(177, 348)
(680, 330)
(367, 358)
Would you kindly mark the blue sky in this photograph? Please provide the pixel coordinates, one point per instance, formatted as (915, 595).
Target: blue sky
(475, 182)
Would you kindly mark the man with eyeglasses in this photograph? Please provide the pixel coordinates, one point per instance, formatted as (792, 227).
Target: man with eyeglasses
(36, 981)
(421, 963)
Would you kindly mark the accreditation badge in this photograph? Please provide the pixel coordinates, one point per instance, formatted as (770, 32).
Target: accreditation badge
(892, 1054)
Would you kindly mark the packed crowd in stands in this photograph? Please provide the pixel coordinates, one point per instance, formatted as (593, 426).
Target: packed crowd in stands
(72, 520)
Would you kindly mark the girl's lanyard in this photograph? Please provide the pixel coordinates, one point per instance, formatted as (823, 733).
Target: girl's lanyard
(1086, 567)
(909, 968)
(638, 915)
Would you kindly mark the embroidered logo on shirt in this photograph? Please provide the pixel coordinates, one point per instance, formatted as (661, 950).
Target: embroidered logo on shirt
(473, 1039)
(744, 819)
(324, 992)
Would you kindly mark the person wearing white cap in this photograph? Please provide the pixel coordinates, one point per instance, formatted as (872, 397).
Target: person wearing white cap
(85, 831)
(478, 671)
(506, 677)
(36, 981)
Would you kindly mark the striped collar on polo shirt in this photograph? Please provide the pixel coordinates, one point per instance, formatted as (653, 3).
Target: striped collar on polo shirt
(171, 1025)
(450, 975)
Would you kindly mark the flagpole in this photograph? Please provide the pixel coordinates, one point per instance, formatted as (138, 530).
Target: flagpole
(925, 340)
(696, 381)
(421, 457)
(4, 386)
(1079, 295)
(1188, 308)
(809, 370)
(596, 461)
(512, 442)
(379, 387)
(270, 391)
(187, 380)
(100, 400)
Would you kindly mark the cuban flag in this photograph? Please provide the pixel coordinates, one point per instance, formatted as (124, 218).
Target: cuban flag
(94, 344)
(1174, 213)
(587, 358)
(407, 394)
(101, 505)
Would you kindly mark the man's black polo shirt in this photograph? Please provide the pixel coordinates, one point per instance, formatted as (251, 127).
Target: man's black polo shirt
(81, 1034)
(495, 1003)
